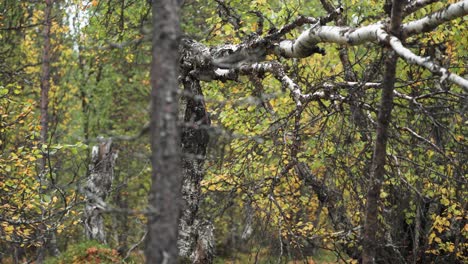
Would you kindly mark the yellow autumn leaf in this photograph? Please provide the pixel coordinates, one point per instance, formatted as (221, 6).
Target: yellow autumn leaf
(383, 195)
(212, 187)
(431, 237)
(26, 232)
(451, 247)
(8, 229)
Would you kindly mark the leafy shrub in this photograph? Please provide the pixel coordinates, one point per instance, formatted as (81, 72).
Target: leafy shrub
(87, 252)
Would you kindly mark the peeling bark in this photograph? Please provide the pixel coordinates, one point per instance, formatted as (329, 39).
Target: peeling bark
(222, 61)
(204, 251)
(228, 62)
(99, 183)
(195, 236)
(194, 143)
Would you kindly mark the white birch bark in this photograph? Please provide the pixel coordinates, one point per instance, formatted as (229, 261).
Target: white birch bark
(97, 188)
(227, 57)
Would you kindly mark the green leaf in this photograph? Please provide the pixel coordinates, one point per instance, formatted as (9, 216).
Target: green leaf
(3, 91)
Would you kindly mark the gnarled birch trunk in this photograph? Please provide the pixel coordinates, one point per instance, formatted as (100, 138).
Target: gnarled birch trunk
(195, 236)
(98, 187)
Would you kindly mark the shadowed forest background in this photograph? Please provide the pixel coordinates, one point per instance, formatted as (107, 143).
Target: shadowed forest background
(197, 131)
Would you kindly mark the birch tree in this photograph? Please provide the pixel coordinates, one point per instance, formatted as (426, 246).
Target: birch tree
(262, 54)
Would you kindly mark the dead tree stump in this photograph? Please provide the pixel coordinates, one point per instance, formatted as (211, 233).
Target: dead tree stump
(98, 185)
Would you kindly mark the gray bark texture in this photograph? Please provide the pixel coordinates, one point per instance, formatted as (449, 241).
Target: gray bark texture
(204, 250)
(196, 236)
(165, 201)
(98, 186)
(179, 155)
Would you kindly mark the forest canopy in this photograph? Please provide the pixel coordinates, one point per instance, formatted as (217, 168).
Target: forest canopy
(198, 131)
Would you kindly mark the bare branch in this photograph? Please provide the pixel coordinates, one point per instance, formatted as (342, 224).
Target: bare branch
(412, 58)
(135, 246)
(416, 5)
(308, 40)
(435, 19)
(416, 135)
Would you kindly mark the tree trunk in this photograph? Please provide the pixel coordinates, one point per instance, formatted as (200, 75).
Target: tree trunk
(371, 226)
(204, 249)
(165, 197)
(121, 230)
(195, 139)
(49, 240)
(98, 187)
(45, 81)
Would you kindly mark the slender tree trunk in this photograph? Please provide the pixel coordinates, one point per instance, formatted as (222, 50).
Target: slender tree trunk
(45, 81)
(121, 229)
(165, 195)
(49, 240)
(371, 227)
